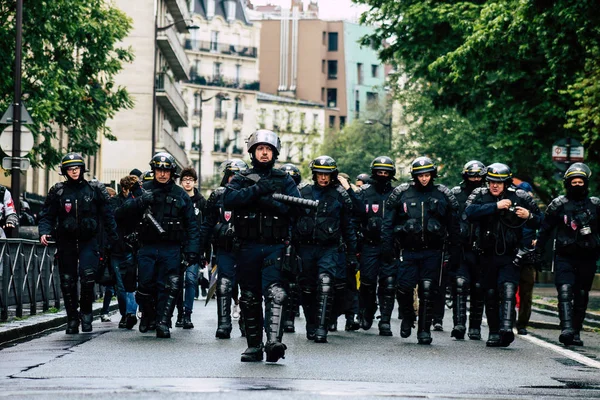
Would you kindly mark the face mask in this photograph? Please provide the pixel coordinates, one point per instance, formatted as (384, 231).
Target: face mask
(577, 192)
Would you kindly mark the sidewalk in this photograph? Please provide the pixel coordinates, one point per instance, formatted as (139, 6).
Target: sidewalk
(545, 302)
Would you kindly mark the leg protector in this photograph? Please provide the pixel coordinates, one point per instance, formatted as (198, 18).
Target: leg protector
(309, 305)
(425, 312)
(148, 308)
(338, 305)
(224, 293)
(324, 305)
(476, 311)
(580, 303)
(87, 299)
(251, 307)
(508, 315)
(492, 313)
(68, 285)
(290, 311)
(368, 305)
(164, 315)
(459, 311)
(565, 313)
(405, 304)
(387, 289)
(274, 309)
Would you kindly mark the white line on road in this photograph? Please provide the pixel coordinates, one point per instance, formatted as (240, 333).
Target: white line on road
(563, 351)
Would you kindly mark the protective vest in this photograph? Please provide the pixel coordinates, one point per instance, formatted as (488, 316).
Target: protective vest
(323, 225)
(223, 233)
(78, 210)
(467, 230)
(374, 206)
(257, 222)
(577, 229)
(168, 209)
(421, 216)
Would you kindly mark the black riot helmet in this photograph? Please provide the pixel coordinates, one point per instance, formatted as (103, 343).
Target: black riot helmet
(383, 163)
(292, 171)
(147, 176)
(325, 165)
(231, 167)
(263, 136)
(422, 165)
(498, 172)
(72, 160)
(578, 170)
(364, 178)
(163, 160)
(473, 168)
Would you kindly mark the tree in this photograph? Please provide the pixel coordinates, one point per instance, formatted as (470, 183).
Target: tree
(512, 71)
(70, 58)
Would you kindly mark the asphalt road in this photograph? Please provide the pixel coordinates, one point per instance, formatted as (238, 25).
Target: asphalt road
(116, 363)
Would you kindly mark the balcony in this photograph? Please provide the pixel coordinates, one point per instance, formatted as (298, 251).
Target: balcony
(221, 81)
(221, 48)
(171, 146)
(219, 148)
(171, 48)
(169, 98)
(180, 12)
(237, 150)
(219, 114)
(238, 117)
(196, 147)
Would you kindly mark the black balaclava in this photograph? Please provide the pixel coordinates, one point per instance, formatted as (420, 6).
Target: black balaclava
(577, 192)
(261, 165)
(381, 183)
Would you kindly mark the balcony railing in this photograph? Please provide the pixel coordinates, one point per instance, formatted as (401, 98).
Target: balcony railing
(172, 146)
(170, 46)
(179, 11)
(221, 48)
(170, 99)
(219, 114)
(238, 117)
(222, 81)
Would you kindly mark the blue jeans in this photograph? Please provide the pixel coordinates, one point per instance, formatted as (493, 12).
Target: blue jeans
(126, 300)
(189, 287)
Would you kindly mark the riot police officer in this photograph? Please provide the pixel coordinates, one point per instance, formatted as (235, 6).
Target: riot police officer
(575, 218)
(467, 277)
(421, 217)
(76, 211)
(293, 292)
(501, 212)
(318, 233)
(262, 225)
(218, 229)
(167, 228)
(369, 203)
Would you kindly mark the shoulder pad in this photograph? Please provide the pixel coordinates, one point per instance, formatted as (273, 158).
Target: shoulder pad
(456, 190)
(303, 185)
(448, 193)
(364, 187)
(480, 190)
(556, 204)
(56, 190)
(96, 184)
(245, 172)
(402, 187)
(345, 196)
(218, 191)
(278, 173)
(397, 192)
(595, 201)
(522, 194)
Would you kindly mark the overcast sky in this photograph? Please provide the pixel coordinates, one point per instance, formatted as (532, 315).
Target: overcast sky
(328, 9)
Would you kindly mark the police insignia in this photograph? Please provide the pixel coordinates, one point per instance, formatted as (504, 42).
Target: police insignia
(71, 156)
(421, 162)
(405, 208)
(366, 207)
(227, 215)
(375, 207)
(68, 207)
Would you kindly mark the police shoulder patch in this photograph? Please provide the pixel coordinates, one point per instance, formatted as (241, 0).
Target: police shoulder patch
(345, 196)
(556, 204)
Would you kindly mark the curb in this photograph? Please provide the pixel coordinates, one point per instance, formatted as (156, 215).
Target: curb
(592, 319)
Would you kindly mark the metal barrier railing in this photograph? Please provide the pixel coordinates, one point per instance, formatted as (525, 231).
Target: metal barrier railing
(28, 276)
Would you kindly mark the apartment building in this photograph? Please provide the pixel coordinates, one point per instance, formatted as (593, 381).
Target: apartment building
(223, 85)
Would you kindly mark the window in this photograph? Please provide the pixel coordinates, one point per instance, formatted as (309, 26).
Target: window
(237, 106)
(322, 94)
(230, 10)
(357, 104)
(372, 97)
(195, 68)
(288, 125)
(324, 38)
(237, 142)
(333, 41)
(276, 119)
(332, 69)
(331, 98)
(342, 122)
(238, 70)
(323, 64)
(219, 140)
(216, 70)
(214, 40)
(302, 122)
(210, 9)
(374, 71)
(360, 75)
(196, 135)
(332, 121)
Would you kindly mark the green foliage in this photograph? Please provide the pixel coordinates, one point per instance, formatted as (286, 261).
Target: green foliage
(497, 80)
(70, 58)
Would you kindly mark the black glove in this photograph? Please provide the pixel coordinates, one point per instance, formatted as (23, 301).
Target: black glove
(266, 186)
(136, 189)
(352, 261)
(191, 258)
(147, 198)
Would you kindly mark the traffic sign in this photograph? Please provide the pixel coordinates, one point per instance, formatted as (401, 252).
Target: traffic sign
(567, 151)
(7, 118)
(6, 139)
(23, 163)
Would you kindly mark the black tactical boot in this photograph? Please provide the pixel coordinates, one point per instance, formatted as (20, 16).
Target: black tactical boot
(405, 305)
(163, 325)
(351, 323)
(179, 321)
(386, 304)
(187, 320)
(459, 311)
(476, 312)
(68, 285)
(123, 322)
(148, 309)
(325, 301)
(252, 312)
(309, 300)
(131, 321)
(274, 310)
(86, 322)
(493, 318)
(224, 292)
(86, 300)
(580, 303)
(368, 305)
(509, 291)
(425, 312)
(290, 311)
(565, 313)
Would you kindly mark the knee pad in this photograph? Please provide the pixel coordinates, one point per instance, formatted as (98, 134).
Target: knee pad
(478, 288)
(426, 289)
(276, 294)
(509, 289)
(325, 283)
(224, 286)
(491, 295)
(249, 298)
(461, 286)
(88, 278)
(173, 282)
(67, 281)
(388, 283)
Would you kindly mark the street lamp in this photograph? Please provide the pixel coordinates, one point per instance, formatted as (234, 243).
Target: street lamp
(388, 125)
(156, 30)
(199, 102)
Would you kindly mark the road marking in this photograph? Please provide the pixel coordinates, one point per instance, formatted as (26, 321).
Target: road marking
(563, 351)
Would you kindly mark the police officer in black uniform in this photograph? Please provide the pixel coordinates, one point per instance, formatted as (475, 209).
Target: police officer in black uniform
(421, 217)
(262, 224)
(467, 277)
(72, 211)
(293, 292)
(160, 255)
(369, 205)
(318, 233)
(501, 212)
(575, 218)
(218, 229)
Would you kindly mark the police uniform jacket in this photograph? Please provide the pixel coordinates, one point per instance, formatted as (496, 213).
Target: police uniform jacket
(369, 209)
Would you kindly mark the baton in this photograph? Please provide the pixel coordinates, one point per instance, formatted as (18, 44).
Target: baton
(297, 201)
(155, 224)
